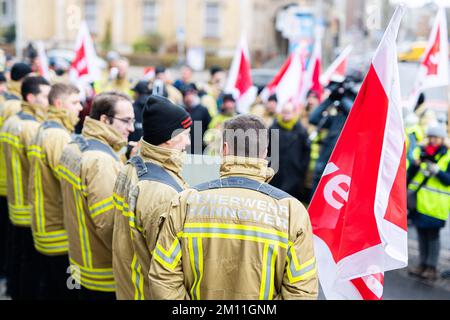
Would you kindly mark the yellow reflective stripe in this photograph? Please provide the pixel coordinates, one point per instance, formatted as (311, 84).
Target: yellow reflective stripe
(17, 177)
(196, 259)
(169, 258)
(137, 278)
(61, 247)
(120, 204)
(72, 179)
(39, 198)
(19, 215)
(35, 151)
(101, 207)
(106, 286)
(235, 232)
(268, 272)
(297, 272)
(82, 229)
(12, 140)
(96, 273)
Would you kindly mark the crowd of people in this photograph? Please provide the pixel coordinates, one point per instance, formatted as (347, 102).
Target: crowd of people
(94, 206)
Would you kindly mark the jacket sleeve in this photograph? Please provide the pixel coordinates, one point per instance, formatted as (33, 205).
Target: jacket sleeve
(166, 270)
(100, 181)
(54, 151)
(300, 278)
(316, 115)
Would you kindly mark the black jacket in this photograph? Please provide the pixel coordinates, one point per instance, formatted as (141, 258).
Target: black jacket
(294, 155)
(138, 107)
(201, 118)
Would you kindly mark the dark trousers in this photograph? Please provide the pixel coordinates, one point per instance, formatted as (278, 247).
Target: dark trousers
(91, 295)
(25, 267)
(429, 246)
(4, 233)
(55, 273)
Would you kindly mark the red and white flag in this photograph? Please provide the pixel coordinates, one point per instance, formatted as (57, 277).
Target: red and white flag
(358, 212)
(85, 66)
(239, 82)
(286, 83)
(433, 70)
(43, 61)
(336, 71)
(313, 73)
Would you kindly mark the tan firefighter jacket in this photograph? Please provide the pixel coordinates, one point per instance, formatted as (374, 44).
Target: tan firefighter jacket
(235, 238)
(88, 169)
(17, 134)
(47, 219)
(140, 203)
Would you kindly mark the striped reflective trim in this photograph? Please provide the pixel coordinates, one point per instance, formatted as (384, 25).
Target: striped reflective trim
(35, 151)
(235, 231)
(71, 178)
(105, 286)
(54, 248)
(82, 230)
(51, 236)
(101, 207)
(120, 204)
(12, 140)
(95, 273)
(169, 258)
(39, 198)
(297, 272)
(436, 190)
(268, 272)
(20, 215)
(137, 278)
(17, 178)
(196, 259)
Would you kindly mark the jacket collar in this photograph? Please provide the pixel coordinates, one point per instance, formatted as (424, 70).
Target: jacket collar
(64, 117)
(169, 159)
(37, 111)
(287, 125)
(252, 168)
(104, 133)
(13, 87)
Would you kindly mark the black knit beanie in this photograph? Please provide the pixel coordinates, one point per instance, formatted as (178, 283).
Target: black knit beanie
(19, 70)
(161, 118)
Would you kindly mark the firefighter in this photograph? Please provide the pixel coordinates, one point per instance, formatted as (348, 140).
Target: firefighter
(143, 191)
(47, 220)
(88, 169)
(10, 102)
(17, 134)
(236, 237)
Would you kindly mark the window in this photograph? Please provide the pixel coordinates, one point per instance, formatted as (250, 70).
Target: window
(90, 15)
(212, 20)
(149, 17)
(4, 8)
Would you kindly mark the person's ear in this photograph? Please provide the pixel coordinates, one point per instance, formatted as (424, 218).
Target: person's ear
(58, 103)
(31, 98)
(104, 119)
(225, 149)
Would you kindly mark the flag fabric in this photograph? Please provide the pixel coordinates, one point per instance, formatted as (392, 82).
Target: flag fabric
(316, 69)
(149, 73)
(433, 70)
(43, 61)
(239, 82)
(85, 67)
(358, 212)
(287, 81)
(337, 69)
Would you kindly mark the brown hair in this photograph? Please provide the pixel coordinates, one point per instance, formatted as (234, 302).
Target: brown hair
(105, 103)
(246, 135)
(60, 90)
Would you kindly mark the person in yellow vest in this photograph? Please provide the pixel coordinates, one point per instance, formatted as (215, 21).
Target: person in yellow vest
(142, 192)
(429, 182)
(47, 220)
(117, 79)
(215, 245)
(10, 102)
(17, 134)
(414, 135)
(88, 169)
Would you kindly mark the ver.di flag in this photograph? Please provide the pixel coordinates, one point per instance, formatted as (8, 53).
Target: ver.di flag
(358, 212)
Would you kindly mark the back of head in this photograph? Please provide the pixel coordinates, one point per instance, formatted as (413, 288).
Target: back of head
(105, 104)
(32, 85)
(61, 91)
(19, 71)
(246, 136)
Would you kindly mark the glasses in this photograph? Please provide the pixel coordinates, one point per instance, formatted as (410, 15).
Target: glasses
(128, 121)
